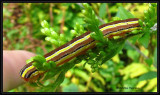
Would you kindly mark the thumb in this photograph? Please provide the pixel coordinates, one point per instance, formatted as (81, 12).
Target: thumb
(13, 61)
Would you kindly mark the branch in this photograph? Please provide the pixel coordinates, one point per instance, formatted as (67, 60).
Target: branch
(127, 40)
(50, 13)
(133, 46)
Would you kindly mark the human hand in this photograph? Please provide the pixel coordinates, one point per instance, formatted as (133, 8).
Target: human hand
(13, 61)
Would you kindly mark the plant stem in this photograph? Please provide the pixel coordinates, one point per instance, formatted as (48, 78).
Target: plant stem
(50, 13)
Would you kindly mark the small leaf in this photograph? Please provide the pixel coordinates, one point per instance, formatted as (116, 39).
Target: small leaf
(133, 55)
(155, 57)
(148, 75)
(144, 40)
(29, 60)
(149, 61)
(123, 13)
(46, 65)
(102, 10)
(59, 80)
(44, 24)
(39, 58)
(52, 64)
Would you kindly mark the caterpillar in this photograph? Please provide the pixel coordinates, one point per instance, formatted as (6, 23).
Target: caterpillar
(79, 46)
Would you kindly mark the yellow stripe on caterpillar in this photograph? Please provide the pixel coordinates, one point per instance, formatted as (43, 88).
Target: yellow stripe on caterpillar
(132, 22)
(118, 24)
(26, 70)
(68, 47)
(74, 53)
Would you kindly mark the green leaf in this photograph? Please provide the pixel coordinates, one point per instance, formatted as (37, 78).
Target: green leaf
(155, 57)
(133, 55)
(129, 84)
(123, 13)
(92, 22)
(81, 74)
(65, 82)
(149, 61)
(44, 24)
(134, 39)
(52, 64)
(39, 58)
(29, 60)
(59, 80)
(46, 65)
(148, 75)
(51, 74)
(111, 51)
(70, 88)
(144, 40)
(102, 10)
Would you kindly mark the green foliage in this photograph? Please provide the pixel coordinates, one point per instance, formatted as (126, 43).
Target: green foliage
(104, 46)
(52, 36)
(144, 40)
(60, 39)
(7, 24)
(123, 13)
(133, 55)
(12, 34)
(149, 21)
(149, 61)
(92, 23)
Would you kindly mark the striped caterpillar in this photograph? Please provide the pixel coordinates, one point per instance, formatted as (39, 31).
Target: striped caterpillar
(79, 46)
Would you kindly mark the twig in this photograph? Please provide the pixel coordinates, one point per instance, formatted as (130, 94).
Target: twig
(50, 13)
(109, 14)
(62, 22)
(133, 46)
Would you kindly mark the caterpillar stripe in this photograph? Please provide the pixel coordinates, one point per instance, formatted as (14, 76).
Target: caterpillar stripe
(79, 46)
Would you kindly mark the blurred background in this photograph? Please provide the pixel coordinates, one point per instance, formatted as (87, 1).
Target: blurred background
(22, 31)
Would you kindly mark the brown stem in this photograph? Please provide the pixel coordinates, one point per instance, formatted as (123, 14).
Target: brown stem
(109, 14)
(50, 13)
(62, 22)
